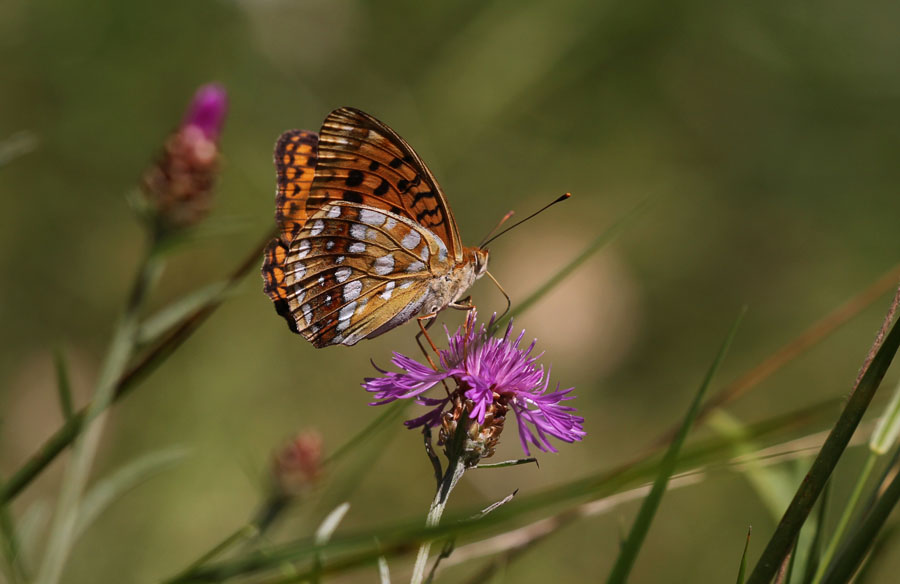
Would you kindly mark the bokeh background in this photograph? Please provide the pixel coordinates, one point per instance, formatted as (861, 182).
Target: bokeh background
(765, 135)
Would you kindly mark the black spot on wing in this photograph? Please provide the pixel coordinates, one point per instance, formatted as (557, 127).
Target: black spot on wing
(353, 197)
(426, 213)
(422, 195)
(284, 311)
(382, 189)
(354, 178)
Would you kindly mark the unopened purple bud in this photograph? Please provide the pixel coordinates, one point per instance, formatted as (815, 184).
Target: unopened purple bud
(179, 186)
(207, 110)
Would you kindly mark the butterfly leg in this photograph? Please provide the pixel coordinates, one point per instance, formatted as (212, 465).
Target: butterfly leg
(431, 318)
(423, 331)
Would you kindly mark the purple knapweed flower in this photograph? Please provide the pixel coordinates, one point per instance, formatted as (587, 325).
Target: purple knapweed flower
(179, 185)
(492, 375)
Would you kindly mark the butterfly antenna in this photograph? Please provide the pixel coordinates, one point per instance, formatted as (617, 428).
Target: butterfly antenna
(535, 214)
(502, 291)
(496, 227)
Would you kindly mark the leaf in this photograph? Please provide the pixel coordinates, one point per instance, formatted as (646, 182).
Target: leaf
(331, 522)
(384, 573)
(122, 480)
(773, 484)
(31, 525)
(667, 467)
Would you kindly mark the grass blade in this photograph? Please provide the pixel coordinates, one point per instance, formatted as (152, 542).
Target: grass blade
(155, 326)
(354, 550)
(12, 550)
(861, 541)
(67, 433)
(112, 487)
(641, 526)
(601, 240)
(63, 387)
(743, 567)
(815, 546)
(804, 499)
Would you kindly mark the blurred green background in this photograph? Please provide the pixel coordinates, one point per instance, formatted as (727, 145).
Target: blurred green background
(766, 135)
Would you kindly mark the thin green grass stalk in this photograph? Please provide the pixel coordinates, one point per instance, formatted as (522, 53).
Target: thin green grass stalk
(63, 386)
(599, 242)
(67, 433)
(813, 556)
(743, 567)
(276, 503)
(354, 550)
(799, 345)
(860, 542)
(641, 526)
(883, 542)
(883, 438)
(62, 534)
(849, 508)
(793, 562)
(12, 549)
(832, 450)
(785, 569)
(391, 413)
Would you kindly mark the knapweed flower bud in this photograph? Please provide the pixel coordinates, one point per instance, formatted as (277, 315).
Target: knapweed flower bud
(481, 438)
(179, 186)
(298, 466)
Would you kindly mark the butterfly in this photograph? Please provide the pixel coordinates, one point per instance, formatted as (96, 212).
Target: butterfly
(366, 239)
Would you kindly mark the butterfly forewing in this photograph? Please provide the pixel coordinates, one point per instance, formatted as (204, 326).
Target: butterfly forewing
(362, 160)
(355, 271)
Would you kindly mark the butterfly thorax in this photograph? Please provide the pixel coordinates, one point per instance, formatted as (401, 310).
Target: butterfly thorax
(452, 286)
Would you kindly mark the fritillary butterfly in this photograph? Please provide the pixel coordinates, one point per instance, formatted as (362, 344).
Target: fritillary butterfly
(367, 240)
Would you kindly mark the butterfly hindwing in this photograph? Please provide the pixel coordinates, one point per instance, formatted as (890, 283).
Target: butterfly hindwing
(274, 257)
(355, 269)
(362, 160)
(295, 163)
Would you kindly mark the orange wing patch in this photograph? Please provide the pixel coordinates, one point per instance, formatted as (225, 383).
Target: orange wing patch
(295, 163)
(273, 279)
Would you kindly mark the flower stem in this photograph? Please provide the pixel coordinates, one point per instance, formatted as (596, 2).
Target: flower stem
(454, 472)
(121, 347)
(845, 517)
(70, 430)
